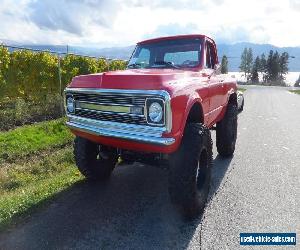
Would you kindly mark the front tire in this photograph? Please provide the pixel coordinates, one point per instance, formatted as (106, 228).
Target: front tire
(190, 170)
(95, 162)
(227, 131)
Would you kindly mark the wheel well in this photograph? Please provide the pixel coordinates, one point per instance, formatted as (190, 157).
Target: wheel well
(195, 114)
(233, 99)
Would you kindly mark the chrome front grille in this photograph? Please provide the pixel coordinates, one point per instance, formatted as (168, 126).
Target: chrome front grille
(110, 116)
(117, 106)
(114, 99)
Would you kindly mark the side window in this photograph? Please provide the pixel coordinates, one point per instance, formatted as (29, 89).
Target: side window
(212, 55)
(208, 56)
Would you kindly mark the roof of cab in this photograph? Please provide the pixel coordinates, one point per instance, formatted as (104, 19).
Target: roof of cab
(173, 37)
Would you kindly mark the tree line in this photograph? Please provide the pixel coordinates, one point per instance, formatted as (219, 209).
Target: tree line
(268, 70)
(273, 68)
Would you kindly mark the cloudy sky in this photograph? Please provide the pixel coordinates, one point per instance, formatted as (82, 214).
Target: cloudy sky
(107, 23)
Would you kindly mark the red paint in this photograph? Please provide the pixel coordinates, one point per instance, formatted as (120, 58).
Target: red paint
(186, 87)
(125, 144)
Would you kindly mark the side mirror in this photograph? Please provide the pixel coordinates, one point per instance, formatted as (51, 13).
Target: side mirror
(217, 68)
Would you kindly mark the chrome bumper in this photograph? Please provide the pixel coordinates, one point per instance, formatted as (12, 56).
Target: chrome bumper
(139, 133)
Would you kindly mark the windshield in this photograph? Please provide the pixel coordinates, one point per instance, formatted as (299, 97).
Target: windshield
(177, 53)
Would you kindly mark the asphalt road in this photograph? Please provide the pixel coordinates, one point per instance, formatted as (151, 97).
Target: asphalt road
(255, 191)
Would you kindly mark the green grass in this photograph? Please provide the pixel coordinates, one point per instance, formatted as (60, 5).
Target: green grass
(242, 89)
(36, 163)
(295, 91)
(27, 185)
(29, 139)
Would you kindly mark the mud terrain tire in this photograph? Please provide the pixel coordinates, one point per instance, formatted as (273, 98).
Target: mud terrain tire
(94, 161)
(190, 170)
(227, 132)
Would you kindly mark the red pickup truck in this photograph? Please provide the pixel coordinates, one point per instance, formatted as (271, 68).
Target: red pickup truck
(159, 111)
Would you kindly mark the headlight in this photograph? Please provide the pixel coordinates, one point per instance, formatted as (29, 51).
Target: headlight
(70, 105)
(155, 112)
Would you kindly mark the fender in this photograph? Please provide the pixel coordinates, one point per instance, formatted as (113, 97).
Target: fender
(195, 98)
(229, 93)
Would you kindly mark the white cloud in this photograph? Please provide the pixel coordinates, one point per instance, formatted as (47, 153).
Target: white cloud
(295, 4)
(175, 4)
(72, 16)
(124, 22)
(172, 29)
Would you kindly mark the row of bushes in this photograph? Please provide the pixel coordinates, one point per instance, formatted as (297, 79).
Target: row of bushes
(16, 112)
(30, 89)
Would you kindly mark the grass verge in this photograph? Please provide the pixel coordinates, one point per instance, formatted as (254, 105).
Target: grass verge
(242, 89)
(35, 138)
(24, 186)
(295, 91)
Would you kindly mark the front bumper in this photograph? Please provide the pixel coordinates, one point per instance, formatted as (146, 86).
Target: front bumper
(138, 133)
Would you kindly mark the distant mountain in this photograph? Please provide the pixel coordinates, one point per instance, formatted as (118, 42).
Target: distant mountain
(232, 51)
(113, 53)
(9, 42)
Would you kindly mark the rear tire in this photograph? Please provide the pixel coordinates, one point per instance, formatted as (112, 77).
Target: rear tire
(242, 107)
(227, 131)
(95, 162)
(190, 170)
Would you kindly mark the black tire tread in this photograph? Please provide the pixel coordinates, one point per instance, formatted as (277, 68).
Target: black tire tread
(85, 154)
(225, 143)
(183, 170)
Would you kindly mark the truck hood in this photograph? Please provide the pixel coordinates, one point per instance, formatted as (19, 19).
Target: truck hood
(144, 79)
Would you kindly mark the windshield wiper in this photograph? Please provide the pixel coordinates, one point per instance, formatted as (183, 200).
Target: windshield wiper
(134, 65)
(171, 64)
